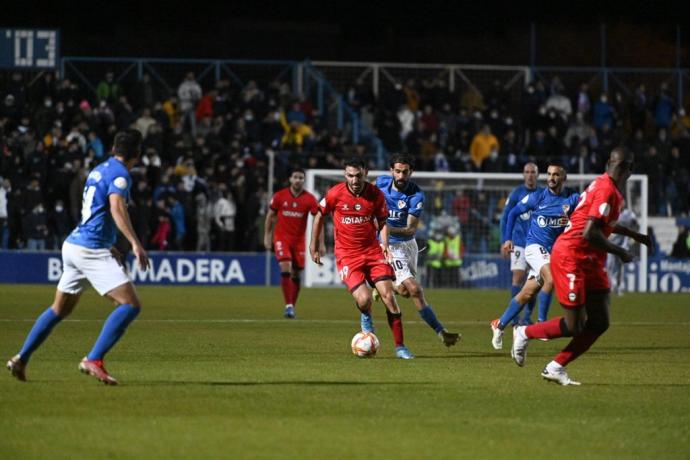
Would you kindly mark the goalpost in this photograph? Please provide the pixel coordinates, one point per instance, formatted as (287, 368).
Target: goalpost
(472, 203)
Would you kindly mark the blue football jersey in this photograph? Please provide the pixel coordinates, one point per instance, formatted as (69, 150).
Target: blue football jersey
(401, 204)
(549, 215)
(97, 228)
(522, 225)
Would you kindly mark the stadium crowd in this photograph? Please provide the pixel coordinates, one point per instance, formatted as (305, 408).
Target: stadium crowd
(201, 184)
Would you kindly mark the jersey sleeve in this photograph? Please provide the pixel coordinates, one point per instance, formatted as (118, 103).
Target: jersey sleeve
(273, 204)
(416, 204)
(119, 185)
(326, 204)
(380, 207)
(524, 205)
(510, 204)
(313, 206)
(574, 198)
(603, 200)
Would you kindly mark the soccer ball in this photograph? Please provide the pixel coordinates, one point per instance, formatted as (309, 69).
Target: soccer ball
(365, 344)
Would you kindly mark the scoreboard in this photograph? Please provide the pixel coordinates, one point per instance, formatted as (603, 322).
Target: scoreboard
(29, 48)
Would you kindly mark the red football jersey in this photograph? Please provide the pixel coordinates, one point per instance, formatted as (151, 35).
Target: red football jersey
(355, 217)
(602, 201)
(292, 213)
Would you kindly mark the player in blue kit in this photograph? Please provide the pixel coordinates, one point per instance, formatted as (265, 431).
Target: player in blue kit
(518, 264)
(88, 254)
(550, 209)
(405, 201)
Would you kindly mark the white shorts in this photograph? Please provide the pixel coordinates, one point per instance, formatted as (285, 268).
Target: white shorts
(537, 256)
(98, 266)
(517, 259)
(404, 260)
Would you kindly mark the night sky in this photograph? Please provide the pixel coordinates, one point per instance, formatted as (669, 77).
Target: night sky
(482, 32)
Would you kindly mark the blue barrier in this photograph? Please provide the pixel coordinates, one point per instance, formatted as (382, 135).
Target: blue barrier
(248, 269)
(169, 268)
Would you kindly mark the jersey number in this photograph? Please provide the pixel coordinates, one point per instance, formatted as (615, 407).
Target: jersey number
(87, 201)
(571, 277)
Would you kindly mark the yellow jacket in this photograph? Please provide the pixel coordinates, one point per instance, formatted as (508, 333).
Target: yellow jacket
(481, 147)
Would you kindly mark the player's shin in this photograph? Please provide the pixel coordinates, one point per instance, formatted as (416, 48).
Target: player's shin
(39, 332)
(113, 328)
(428, 315)
(286, 287)
(577, 346)
(544, 304)
(551, 329)
(395, 323)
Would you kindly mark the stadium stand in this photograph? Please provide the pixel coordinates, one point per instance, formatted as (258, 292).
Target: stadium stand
(208, 144)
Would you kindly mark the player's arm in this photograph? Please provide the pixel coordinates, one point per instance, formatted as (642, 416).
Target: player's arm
(510, 204)
(639, 237)
(523, 206)
(118, 209)
(316, 237)
(409, 230)
(384, 233)
(271, 218)
(595, 236)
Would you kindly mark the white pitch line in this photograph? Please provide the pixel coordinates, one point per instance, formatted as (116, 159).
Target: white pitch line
(322, 321)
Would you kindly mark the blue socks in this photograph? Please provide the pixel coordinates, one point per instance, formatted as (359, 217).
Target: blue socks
(527, 317)
(511, 312)
(428, 315)
(113, 329)
(366, 323)
(544, 304)
(514, 290)
(41, 330)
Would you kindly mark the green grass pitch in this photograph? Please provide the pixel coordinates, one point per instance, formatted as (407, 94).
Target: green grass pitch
(217, 373)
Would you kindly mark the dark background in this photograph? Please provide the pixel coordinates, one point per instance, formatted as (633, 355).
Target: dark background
(479, 32)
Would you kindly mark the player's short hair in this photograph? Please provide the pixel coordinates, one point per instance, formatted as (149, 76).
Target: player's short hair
(403, 159)
(557, 163)
(355, 162)
(296, 170)
(127, 144)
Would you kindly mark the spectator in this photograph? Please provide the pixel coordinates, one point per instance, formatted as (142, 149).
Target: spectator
(5, 189)
(108, 90)
(204, 216)
(483, 144)
(603, 112)
(224, 212)
(189, 93)
(36, 225)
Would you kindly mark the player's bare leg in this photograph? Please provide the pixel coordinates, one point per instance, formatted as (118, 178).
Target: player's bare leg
(363, 301)
(385, 288)
(415, 291)
(63, 305)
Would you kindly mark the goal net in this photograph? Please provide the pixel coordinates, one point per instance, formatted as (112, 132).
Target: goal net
(469, 205)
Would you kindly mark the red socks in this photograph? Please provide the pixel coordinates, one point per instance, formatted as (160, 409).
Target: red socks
(295, 290)
(550, 329)
(576, 347)
(286, 286)
(395, 323)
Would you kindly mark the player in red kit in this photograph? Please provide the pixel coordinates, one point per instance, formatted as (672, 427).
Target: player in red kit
(578, 266)
(288, 213)
(360, 213)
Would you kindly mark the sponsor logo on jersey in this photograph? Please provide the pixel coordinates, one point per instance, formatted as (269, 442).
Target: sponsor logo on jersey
(285, 204)
(355, 220)
(552, 222)
(293, 213)
(345, 208)
(395, 215)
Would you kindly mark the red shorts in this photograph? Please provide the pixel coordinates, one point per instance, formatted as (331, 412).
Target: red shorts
(290, 251)
(576, 273)
(367, 265)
